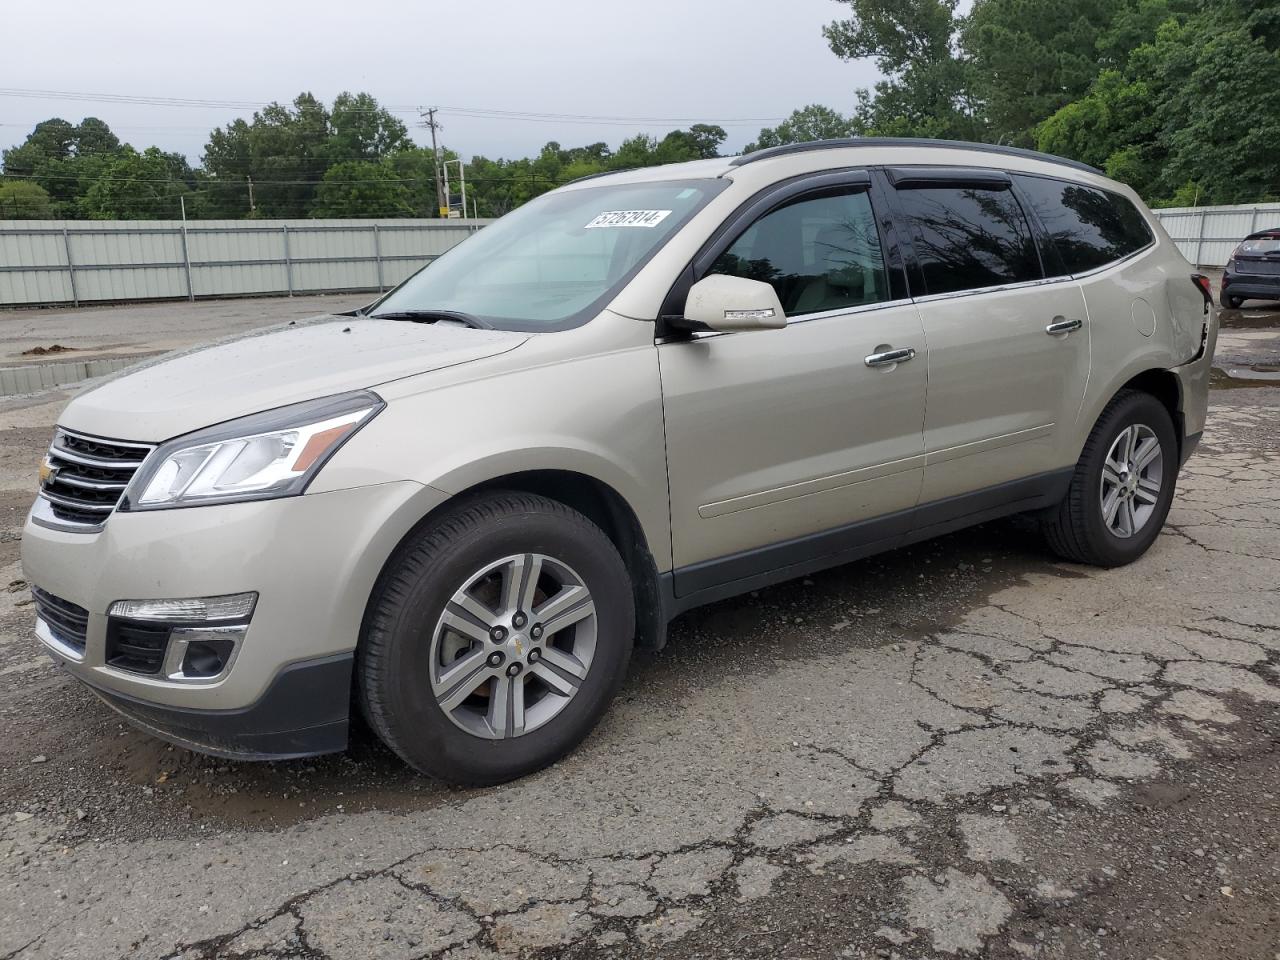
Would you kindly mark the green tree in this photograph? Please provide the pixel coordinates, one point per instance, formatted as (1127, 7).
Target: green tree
(1031, 57)
(1192, 112)
(362, 130)
(24, 200)
(50, 140)
(64, 159)
(700, 142)
(139, 186)
(284, 150)
(362, 188)
(1219, 112)
(814, 122)
(1114, 119)
(93, 136)
(927, 90)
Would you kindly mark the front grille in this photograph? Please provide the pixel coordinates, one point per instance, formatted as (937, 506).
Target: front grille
(67, 622)
(135, 645)
(86, 476)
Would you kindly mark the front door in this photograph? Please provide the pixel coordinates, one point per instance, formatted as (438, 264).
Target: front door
(792, 444)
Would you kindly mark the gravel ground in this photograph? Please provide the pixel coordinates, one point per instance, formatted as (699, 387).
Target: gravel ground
(964, 747)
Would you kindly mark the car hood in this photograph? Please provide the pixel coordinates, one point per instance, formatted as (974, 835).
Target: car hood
(180, 392)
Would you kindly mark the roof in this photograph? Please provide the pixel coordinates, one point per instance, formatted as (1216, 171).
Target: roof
(915, 142)
(726, 166)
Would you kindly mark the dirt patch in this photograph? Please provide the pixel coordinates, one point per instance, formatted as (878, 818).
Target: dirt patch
(46, 351)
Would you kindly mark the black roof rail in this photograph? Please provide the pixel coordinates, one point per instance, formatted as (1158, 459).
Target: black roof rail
(789, 148)
(592, 176)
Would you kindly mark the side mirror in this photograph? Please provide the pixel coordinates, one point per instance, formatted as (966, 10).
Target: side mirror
(732, 304)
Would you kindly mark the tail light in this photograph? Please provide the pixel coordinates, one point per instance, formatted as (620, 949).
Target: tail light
(1206, 290)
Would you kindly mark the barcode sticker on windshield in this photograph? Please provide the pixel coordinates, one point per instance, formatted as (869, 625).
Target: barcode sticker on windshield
(629, 218)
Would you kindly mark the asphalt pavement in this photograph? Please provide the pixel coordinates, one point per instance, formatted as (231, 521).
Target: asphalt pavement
(963, 748)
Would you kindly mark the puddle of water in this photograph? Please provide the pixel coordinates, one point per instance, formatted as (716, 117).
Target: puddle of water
(1249, 317)
(1254, 375)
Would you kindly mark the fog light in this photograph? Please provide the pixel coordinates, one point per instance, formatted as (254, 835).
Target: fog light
(202, 654)
(208, 658)
(236, 606)
(193, 640)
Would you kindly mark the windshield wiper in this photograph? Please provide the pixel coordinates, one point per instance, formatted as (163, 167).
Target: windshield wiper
(432, 316)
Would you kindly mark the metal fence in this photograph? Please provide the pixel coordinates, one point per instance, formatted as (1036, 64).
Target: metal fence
(77, 261)
(1207, 235)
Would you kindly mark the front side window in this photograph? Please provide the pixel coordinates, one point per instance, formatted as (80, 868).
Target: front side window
(1089, 227)
(819, 253)
(969, 237)
(557, 260)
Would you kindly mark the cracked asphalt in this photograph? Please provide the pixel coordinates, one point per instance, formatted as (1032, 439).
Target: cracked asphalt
(966, 747)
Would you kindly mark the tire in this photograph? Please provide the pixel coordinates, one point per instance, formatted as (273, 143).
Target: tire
(1233, 303)
(478, 555)
(1078, 529)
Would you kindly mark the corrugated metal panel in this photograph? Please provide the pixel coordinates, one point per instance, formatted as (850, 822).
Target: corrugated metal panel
(1207, 235)
(143, 260)
(147, 259)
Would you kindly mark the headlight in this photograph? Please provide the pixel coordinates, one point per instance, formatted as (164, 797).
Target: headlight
(267, 455)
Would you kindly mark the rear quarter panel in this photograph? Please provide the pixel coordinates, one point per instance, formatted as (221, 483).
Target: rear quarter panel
(1133, 327)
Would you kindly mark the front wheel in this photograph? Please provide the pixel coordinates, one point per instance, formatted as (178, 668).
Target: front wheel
(1233, 303)
(496, 639)
(1122, 486)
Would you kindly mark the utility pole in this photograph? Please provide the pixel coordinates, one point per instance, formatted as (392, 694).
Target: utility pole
(252, 208)
(429, 121)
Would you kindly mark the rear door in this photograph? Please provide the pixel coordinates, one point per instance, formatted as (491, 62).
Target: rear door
(1008, 347)
(792, 444)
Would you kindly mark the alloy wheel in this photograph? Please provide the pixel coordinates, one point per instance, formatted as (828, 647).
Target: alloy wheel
(1132, 476)
(513, 646)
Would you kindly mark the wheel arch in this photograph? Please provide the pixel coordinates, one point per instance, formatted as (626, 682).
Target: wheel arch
(1165, 386)
(1159, 382)
(599, 502)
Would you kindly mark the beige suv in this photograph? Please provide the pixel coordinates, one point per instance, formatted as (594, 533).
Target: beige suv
(461, 507)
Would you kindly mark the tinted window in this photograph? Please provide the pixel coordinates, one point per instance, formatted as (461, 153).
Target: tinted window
(969, 237)
(1089, 228)
(821, 253)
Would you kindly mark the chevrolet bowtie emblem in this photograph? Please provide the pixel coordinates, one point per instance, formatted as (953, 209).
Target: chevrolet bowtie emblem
(48, 473)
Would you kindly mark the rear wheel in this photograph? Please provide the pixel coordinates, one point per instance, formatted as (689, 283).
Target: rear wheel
(496, 639)
(1122, 486)
(1233, 302)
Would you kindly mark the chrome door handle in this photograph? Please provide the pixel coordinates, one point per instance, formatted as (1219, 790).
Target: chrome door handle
(1063, 326)
(890, 357)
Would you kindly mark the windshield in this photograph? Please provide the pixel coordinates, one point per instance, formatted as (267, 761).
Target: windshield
(556, 261)
(1260, 247)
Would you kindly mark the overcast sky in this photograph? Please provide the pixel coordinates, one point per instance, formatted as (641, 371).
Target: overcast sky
(713, 60)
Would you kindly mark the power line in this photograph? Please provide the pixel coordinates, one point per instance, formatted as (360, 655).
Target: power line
(472, 112)
(218, 184)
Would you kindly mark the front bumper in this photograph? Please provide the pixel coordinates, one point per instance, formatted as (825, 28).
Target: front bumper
(302, 713)
(313, 561)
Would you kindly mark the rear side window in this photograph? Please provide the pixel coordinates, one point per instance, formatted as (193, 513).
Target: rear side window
(1088, 227)
(969, 237)
(819, 253)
